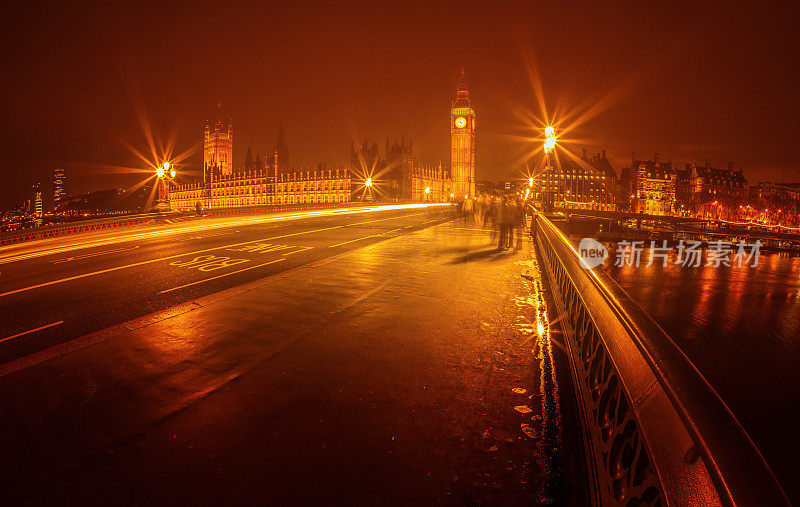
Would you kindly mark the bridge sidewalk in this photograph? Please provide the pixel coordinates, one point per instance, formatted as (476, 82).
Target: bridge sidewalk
(409, 371)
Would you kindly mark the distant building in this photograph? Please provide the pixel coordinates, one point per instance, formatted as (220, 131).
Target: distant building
(59, 183)
(270, 185)
(484, 186)
(585, 182)
(653, 186)
(712, 192)
(431, 184)
(218, 146)
(462, 142)
(38, 212)
(508, 187)
(392, 175)
(263, 188)
(251, 164)
(400, 169)
(395, 174)
(775, 191)
(280, 160)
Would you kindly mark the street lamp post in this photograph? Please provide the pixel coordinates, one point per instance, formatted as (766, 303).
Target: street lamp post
(163, 176)
(367, 190)
(549, 145)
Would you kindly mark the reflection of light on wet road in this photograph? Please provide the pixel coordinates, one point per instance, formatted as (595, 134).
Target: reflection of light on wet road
(550, 448)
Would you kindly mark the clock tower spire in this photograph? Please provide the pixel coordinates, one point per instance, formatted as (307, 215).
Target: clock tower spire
(462, 142)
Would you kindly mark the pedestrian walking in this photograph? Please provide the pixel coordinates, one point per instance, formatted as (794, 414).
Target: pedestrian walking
(505, 218)
(467, 209)
(488, 212)
(493, 217)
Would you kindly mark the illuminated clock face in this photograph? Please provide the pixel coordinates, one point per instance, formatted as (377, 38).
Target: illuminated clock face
(461, 122)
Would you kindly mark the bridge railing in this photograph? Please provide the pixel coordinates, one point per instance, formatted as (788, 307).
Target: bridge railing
(655, 431)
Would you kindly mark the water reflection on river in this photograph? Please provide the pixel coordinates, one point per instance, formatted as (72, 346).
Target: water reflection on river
(741, 328)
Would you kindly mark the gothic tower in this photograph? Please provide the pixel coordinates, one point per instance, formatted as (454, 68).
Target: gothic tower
(462, 142)
(281, 153)
(218, 146)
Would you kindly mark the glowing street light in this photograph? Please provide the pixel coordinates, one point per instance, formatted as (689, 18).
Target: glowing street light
(530, 182)
(550, 139)
(164, 174)
(368, 183)
(427, 190)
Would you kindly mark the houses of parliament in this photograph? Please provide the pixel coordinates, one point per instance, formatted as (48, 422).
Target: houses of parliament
(392, 174)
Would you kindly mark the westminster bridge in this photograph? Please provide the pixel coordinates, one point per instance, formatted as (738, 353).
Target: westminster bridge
(368, 354)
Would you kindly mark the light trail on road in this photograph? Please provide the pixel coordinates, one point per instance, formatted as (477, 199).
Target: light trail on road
(129, 235)
(100, 272)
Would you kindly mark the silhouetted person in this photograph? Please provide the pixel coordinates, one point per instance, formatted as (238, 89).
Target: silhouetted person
(505, 217)
(468, 209)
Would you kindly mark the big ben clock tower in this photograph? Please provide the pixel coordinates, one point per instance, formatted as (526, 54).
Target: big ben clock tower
(462, 142)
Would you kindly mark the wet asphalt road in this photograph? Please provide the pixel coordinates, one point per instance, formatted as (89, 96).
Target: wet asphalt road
(58, 293)
(409, 372)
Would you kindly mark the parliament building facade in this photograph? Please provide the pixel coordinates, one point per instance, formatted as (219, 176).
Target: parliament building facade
(268, 184)
(393, 175)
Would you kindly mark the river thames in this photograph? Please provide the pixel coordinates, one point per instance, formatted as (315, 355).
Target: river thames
(741, 328)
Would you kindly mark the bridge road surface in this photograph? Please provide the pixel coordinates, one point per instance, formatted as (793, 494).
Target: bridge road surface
(56, 293)
(398, 362)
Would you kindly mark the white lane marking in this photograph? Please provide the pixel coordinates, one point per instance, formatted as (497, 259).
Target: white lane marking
(31, 331)
(260, 248)
(220, 276)
(365, 237)
(303, 249)
(96, 254)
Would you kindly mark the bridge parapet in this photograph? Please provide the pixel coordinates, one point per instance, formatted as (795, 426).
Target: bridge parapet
(655, 432)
